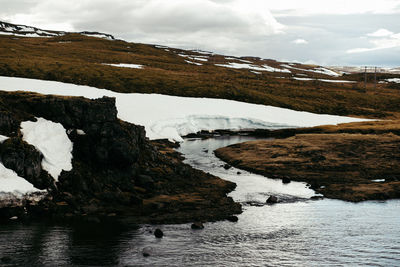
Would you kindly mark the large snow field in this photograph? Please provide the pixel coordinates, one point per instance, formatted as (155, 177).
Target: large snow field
(173, 117)
(52, 141)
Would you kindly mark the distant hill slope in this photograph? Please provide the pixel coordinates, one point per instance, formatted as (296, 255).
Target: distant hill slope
(142, 68)
(28, 31)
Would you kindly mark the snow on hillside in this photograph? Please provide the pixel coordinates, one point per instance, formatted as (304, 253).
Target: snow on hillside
(28, 31)
(194, 63)
(320, 70)
(172, 117)
(393, 80)
(323, 80)
(252, 67)
(52, 141)
(123, 65)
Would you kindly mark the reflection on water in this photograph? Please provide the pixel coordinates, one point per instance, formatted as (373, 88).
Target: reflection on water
(297, 232)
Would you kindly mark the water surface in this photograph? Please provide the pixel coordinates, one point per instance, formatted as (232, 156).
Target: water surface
(295, 232)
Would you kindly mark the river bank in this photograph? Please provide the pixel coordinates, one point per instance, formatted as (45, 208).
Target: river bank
(353, 162)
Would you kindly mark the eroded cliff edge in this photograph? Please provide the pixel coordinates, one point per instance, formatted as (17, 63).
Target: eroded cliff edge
(116, 170)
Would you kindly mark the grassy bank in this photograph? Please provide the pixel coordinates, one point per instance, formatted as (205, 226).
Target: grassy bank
(362, 164)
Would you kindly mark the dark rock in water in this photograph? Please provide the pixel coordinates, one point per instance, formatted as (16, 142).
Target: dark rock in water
(272, 200)
(238, 173)
(286, 180)
(232, 218)
(227, 166)
(147, 251)
(158, 233)
(316, 197)
(197, 225)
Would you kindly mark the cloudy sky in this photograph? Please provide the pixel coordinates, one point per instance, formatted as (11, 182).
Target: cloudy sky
(330, 32)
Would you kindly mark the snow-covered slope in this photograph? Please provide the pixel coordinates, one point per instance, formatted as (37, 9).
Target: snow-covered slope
(28, 31)
(172, 117)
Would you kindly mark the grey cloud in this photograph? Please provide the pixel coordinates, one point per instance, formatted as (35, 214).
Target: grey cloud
(217, 25)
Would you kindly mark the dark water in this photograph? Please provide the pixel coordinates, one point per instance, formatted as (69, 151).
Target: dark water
(297, 232)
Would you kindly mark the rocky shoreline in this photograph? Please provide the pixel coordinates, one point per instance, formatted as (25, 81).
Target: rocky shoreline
(117, 171)
(352, 162)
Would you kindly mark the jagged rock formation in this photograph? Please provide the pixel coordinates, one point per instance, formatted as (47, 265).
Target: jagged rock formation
(116, 170)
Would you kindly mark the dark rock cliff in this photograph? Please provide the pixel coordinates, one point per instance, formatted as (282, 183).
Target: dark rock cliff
(116, 170)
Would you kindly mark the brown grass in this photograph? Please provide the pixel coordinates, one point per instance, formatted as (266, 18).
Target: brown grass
(165, 72)
(344, 164)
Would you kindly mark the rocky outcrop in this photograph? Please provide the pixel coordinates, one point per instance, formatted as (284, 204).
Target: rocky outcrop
(26, 161)
(116, 170)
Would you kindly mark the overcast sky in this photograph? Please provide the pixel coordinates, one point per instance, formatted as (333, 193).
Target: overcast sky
(327, 32)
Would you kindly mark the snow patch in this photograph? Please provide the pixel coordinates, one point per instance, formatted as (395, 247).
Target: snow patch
(123, 65)
(252, 67)
(10, 182)
(323, 80)
(393, 80)
(271, 69)
(201, 59)
(320, 70)
(3, 138)
(51, 140)
(303, 79)
(194, 63)
(171, 117)
(80, 132)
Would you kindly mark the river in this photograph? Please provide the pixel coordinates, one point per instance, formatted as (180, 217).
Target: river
(296, 232)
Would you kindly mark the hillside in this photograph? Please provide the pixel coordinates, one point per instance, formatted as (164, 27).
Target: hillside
(131, 67)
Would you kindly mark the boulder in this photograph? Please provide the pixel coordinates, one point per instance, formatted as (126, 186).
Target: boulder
(227, 166)
(232, 218)
(272, 200)
(158, 233)
(286, 180)
(197, 225)
(147, 251)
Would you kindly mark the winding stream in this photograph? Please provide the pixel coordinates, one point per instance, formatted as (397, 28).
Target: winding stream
(295, 232)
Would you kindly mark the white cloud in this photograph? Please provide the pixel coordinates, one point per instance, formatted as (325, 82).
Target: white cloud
(300, 41)
(382, 39)
(342, 7)
(380, 33)
(231, 27)
(206, 24)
